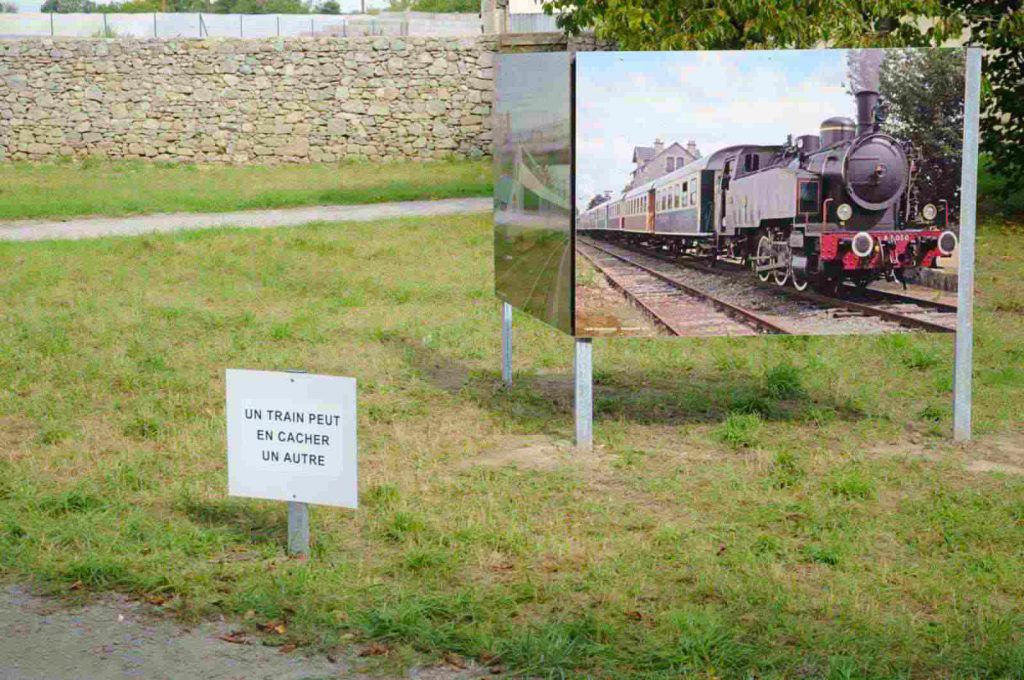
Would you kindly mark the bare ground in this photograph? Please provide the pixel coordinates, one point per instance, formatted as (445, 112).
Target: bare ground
(45, 638)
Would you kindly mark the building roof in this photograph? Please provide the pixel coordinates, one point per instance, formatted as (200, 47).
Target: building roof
(642, 153)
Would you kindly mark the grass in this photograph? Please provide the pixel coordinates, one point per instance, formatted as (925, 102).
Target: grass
(66, 189)
(754, 509)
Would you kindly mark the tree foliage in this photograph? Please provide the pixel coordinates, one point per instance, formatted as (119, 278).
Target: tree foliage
(997, 25)
(749, 24)
(8, 8)
(435, 5)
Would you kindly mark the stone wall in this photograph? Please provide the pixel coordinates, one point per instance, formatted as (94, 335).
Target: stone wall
(246, 101)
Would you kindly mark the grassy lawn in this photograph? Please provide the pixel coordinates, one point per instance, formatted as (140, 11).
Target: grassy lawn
(778, 507)
(30, 190)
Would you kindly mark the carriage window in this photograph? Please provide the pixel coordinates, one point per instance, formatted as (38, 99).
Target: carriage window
(751, 162)
(693, 194)
(808, 197)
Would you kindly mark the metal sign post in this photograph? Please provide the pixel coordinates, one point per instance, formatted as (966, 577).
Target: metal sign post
(506, 344)
(298, 517)
(298, 528)
(584, 402)
(963, 360)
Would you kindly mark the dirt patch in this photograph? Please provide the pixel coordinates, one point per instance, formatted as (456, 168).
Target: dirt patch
(990, 466)
(533, 452)
(16, 434)
(990, 453)
(997, 453)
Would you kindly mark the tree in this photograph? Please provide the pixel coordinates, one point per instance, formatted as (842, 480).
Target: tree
(8, 8)
(748, 24)
(435, 5)
(68, 6)
(998, 26)
(598, 200)
(925, 91)
(329, 7)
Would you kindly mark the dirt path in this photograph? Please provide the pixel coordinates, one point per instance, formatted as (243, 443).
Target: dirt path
(42, 638)
(93, 227)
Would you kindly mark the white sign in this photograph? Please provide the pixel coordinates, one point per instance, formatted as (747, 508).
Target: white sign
(292, 437)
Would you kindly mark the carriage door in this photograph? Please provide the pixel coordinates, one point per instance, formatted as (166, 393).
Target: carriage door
(724, 195)
(650, 210)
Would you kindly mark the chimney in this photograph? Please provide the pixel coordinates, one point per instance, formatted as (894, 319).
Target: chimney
(659, 146)
(691, 148)
(866, 102)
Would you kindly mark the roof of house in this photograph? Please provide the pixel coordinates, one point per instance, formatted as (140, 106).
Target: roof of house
(643, 153)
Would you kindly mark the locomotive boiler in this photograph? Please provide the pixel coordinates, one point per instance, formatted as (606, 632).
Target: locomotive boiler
(824, 209)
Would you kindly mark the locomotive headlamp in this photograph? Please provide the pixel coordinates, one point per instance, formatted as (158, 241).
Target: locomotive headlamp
(929, 212)
(844, 211)
(947, 243)
(862, 244)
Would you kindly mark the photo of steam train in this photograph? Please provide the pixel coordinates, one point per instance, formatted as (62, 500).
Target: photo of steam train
(816, 210)
(826, 199)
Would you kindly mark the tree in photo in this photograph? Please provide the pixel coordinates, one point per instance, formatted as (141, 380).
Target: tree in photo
(924, 89)
(8, 8)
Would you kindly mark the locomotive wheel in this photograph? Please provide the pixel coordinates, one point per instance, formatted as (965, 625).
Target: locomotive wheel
(781, 276)
(764, 258)
(799, 282)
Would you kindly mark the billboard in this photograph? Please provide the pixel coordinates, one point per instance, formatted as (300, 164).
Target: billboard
(532, 188)
(767, 192)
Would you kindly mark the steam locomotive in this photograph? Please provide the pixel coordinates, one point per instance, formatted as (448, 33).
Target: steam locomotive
(823, 209)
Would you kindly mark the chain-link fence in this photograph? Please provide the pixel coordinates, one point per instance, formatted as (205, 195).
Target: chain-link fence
(200, 25)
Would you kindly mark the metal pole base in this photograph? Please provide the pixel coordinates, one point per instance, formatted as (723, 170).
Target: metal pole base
(298, 529)
(506, 344)
(583, 375)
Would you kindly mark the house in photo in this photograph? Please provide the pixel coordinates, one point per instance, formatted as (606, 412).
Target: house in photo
(652, 162)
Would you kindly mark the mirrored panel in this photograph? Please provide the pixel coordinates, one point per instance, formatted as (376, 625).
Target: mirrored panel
(532, 189)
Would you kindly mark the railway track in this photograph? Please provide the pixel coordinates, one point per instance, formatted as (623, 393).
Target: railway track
(673, 304)
(798, 312)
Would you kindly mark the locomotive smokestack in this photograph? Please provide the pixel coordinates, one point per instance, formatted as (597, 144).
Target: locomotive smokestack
(867, 100)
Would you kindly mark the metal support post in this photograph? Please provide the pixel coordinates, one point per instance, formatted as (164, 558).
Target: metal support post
(298, 528)
(584, 401)
(506, 344)
(298, 520)
(963, 360)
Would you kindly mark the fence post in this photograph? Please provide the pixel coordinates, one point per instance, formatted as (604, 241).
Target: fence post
(106, 30)
(312, 32)
(278, 25)
(241, 31)
(154, 25)
(51, 24)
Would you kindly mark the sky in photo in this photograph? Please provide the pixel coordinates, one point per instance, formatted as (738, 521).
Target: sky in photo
(717, 99)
